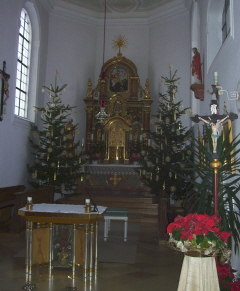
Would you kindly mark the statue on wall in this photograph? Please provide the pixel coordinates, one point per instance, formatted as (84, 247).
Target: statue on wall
(196, 66)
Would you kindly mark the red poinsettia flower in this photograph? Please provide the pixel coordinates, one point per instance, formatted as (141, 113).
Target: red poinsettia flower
(224, 235)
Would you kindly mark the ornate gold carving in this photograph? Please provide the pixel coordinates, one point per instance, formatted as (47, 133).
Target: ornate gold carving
(147, 90)
(89, 90)
(115, 179)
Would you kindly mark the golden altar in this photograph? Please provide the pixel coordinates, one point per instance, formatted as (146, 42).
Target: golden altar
(126, 105)
(39, 235)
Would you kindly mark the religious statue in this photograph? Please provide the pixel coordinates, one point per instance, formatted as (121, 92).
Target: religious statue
(5, 77)
(196, 66)
(215, 130)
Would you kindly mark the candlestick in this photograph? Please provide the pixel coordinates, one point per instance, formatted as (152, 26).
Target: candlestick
(87, 206)
(29, 205)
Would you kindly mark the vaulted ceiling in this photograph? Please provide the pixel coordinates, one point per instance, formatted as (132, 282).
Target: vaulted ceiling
(117, 8)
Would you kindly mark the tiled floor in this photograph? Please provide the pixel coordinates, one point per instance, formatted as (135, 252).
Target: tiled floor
(157, 268)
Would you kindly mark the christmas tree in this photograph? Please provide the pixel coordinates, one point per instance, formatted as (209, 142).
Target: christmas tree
(57, 158)
(168, 149)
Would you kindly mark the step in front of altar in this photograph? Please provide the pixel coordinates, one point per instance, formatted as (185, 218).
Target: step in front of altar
(140, 209)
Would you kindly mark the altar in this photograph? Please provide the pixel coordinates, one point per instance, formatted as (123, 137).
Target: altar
(112, 180)
(118, 111)
(40, 222)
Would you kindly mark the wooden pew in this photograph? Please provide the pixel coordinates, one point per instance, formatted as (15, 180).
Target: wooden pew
(40, 195)
(7, 198)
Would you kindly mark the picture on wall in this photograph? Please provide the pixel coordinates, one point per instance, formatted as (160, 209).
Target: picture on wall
(119, 80)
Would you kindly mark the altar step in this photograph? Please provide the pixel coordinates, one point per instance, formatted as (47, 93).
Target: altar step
(140, 209)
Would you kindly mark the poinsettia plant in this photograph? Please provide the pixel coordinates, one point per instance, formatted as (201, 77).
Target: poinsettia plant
(227, 281)
(198, 232)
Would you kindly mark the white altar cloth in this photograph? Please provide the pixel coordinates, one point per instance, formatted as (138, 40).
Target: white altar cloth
(198, 274)
(62, 208)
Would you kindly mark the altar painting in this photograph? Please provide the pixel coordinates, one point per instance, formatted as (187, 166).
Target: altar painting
(119, 80)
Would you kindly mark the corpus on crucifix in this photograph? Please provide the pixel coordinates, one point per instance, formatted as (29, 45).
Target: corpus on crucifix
(214, 121)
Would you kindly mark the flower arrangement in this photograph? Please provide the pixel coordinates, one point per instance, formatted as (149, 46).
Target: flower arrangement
(98, 147)
(198, 232)
(135, 146)
(226, 278)
(134, 159)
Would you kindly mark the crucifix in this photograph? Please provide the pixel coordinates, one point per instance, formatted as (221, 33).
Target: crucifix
(214, 121)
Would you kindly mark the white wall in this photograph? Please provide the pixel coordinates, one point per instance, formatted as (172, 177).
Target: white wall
(227, 63)
(14, 147)
(170, 45)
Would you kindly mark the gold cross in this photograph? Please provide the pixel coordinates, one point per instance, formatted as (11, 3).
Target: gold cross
(115, 179)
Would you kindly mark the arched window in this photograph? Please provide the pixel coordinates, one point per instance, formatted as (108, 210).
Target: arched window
(226, 20)
(27, 62)
(220, 29)
(23, 62)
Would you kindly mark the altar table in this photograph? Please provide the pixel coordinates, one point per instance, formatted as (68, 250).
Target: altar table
(68, 215)
(198, 274)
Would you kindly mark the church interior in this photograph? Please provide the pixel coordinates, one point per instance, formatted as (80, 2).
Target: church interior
(102, 64)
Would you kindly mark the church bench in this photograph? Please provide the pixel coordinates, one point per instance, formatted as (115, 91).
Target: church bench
(39, 195)
(7, 201)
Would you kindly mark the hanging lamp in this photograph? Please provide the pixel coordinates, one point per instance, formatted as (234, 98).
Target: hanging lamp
(102, 115)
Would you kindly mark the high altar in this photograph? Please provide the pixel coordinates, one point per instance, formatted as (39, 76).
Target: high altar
(120, 95)
(117, 128)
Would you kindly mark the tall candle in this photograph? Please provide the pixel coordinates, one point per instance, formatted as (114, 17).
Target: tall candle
(215, 78)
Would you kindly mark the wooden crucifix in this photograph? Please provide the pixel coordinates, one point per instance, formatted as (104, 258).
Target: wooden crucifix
(214, 121)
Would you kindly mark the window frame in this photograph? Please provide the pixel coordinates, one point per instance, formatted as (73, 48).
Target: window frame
(23, 65)
(30, 7)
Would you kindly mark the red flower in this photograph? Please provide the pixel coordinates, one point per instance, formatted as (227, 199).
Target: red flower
(224, 235)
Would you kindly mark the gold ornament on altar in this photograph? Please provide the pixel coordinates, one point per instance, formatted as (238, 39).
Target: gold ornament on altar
(120, 42)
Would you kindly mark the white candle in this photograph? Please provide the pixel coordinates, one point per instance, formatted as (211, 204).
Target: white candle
(87, 201)
(82, 141)
(149, 141)
(215, 74)
(29, 199)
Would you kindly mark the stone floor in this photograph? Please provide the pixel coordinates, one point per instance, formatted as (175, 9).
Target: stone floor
(157, 268)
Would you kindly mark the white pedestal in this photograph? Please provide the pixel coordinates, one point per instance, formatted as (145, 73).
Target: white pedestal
(198, 274)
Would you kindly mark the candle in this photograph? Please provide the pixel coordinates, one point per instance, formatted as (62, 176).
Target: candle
(149, 141)
(92, 137)
(140, 137)
(87, 201)
(215, 74)
(82, 141)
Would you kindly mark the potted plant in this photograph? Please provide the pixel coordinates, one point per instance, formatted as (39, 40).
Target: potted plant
(200, 195)
(226, 277)
(198, 235)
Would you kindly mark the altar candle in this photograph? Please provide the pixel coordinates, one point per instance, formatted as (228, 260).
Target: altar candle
(215, 78)
(149, 141)
(87, 201)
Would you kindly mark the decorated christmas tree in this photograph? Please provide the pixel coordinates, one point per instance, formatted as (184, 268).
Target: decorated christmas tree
(169, 148)
(57, 157)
